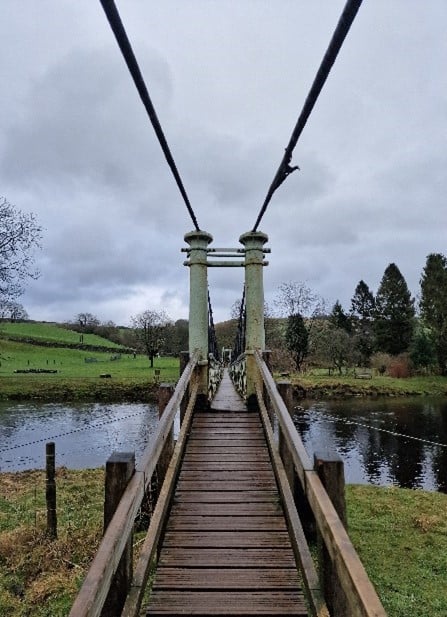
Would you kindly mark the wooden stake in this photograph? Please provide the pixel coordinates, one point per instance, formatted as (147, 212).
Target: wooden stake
(50, 450)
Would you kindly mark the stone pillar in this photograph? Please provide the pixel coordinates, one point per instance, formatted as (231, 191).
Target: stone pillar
(198, 306)
(253, 242)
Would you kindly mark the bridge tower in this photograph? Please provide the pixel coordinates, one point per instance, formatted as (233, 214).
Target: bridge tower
(253, 242)
(198, 306)
(251, 258)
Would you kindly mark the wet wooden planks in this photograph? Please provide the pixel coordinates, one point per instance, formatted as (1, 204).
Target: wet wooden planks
(226, 550)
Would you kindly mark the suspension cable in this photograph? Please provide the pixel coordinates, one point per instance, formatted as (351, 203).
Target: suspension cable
(285, 168)
(121, 37)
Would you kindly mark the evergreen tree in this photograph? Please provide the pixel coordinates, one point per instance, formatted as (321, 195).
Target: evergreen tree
(434, 304)
(362, 313)
(339, 319)
(394, 313)
(297, 339)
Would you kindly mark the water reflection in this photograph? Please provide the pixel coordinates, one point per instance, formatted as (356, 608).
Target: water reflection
(85, 434)
(391, 441)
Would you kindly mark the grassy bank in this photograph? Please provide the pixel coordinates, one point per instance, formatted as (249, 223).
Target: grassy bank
(77, 375)
(400, 535)
(321, 385)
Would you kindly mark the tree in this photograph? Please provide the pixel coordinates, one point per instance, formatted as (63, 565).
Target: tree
(394, 313)
(433, 304)
(19, 236)
(331, 345)
(362, 313)
(87, 322)
(297, 339)
(10, 309)
(295, 297)
(301, 306)
(422, 348)
(149, 328)
(339, 319)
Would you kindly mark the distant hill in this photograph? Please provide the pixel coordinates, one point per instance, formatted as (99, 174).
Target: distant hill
(54, 335)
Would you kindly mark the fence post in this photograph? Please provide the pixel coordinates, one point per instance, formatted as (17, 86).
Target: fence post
(50, 493)
(120, 467)
(330, 469)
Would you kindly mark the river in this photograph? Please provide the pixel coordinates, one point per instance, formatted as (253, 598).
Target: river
(390, 441)
(400, 441)
(85, 434)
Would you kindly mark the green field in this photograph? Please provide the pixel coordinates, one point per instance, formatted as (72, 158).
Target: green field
(78, 372)
(52, 333)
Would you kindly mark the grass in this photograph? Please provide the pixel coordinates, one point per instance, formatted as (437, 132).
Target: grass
(40, 577)
(132, 378)
(400, 535)
(50, 332)
(322, 384)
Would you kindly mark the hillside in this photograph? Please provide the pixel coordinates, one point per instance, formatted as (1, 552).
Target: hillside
(43, 361)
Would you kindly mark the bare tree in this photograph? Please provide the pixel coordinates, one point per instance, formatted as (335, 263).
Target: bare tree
(19, 236)
(87, 321)
(10, 309)
(301, 306)
(295, 297)
(150, 327)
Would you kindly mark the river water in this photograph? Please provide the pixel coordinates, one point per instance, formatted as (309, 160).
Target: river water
(396, 441)
(85, 434)
(401, 441)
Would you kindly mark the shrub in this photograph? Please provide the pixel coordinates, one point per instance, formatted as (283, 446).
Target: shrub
(400, 367)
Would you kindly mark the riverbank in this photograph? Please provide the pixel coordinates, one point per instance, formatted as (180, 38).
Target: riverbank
(400, 535)
(142, 387)
(43, 388)
(324, 386)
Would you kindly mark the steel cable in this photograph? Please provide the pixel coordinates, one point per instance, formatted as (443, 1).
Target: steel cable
(285, 168)
(116, 24)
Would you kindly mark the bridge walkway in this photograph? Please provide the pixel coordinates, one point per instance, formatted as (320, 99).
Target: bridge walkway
(226, 549)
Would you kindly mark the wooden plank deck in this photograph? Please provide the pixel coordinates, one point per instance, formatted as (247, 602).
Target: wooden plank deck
(226, 550)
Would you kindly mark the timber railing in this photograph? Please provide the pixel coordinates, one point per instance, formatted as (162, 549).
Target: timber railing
(105, 567)
(347, 588)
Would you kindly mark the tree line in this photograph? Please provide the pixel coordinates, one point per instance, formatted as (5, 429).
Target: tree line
(380, 330)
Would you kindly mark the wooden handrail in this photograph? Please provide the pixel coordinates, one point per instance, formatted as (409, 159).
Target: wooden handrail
(361, 595)
(94, 590)
(301, 550)
(147, 553)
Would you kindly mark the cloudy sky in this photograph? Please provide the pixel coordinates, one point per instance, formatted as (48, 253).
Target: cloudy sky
(228, 79)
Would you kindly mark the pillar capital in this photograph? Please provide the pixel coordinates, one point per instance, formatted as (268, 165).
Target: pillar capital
(253, 240)
(198, 239)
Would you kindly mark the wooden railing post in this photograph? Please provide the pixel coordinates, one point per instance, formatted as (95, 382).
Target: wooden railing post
(330, 469)
(119, 469)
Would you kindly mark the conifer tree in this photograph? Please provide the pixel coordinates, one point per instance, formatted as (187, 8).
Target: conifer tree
(394, 313)
(362, 313)
(433, 304)
(339, 319)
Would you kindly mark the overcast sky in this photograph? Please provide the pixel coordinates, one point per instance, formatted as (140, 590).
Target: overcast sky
(228, 80)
